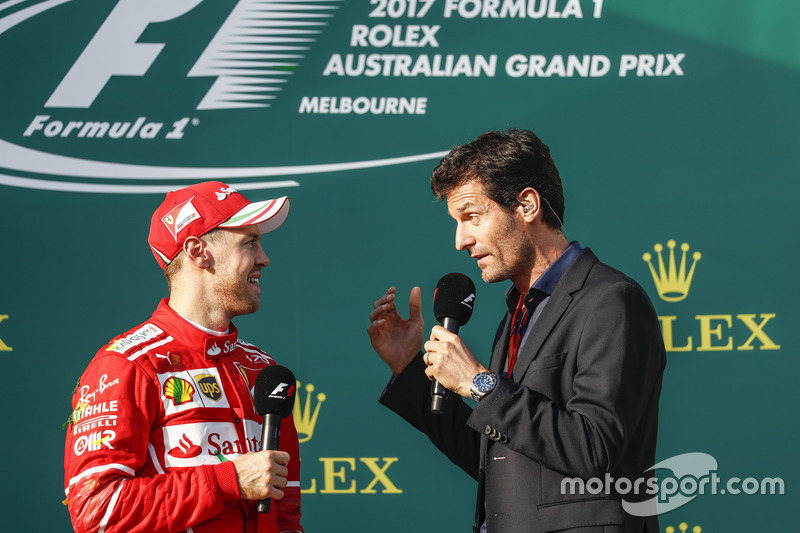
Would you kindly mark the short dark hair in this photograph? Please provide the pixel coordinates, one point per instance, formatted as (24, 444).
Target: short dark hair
(506, 162)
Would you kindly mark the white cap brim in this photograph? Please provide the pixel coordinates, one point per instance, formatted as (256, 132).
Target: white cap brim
(267, 215)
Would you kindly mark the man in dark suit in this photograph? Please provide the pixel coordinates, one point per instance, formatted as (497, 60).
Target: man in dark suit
(572, 389)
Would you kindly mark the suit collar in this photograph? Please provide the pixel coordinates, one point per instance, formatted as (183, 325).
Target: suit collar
(575, 276)
(572, 281)
(546, 283)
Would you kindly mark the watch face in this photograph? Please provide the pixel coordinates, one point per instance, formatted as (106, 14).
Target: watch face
(485, 382)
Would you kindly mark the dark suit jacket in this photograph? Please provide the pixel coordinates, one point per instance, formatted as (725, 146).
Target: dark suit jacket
(583, 402)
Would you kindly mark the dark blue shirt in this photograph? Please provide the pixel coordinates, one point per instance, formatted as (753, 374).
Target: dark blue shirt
(538, 295)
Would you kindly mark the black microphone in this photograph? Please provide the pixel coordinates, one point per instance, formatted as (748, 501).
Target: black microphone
(273, 398)
(453, 301)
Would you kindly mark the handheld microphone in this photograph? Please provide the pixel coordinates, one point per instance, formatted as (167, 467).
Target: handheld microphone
(273, 398)
(453, 301)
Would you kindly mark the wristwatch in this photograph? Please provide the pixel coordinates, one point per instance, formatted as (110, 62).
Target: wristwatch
(482, 384)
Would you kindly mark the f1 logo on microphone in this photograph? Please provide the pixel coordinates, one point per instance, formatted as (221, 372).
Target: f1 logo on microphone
(279, 389)
(469, 301)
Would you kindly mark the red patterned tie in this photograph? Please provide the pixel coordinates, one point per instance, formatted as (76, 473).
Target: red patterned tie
(517, 323)
(535, 298)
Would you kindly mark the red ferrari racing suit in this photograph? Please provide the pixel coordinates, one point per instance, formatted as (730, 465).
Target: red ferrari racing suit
(156, 417)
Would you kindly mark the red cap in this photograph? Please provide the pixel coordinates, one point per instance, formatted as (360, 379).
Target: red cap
(200, 208)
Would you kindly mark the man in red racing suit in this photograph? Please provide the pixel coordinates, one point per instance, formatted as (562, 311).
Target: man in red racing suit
(163, 435)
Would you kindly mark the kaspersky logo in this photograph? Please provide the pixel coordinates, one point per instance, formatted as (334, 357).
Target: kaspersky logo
(718, 331)
(139, 88)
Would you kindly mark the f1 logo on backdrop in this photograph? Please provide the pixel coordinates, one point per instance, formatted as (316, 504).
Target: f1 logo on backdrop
(121, 108)
(248, 68)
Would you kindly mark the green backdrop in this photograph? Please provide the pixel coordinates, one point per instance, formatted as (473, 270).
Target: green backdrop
(669, 121)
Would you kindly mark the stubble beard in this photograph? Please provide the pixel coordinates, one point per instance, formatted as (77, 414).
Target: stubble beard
(523, 256)
(236, 299)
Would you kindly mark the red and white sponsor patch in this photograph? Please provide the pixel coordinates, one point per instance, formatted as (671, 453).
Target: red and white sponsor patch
(201, 443)
(192, 389)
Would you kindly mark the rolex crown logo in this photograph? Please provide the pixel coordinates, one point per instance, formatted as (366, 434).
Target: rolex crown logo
(304, 420)
(672, 282)
(683, 527)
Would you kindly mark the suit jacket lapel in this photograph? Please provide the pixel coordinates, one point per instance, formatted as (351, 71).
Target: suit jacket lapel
(572, 281)
(500, 346)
